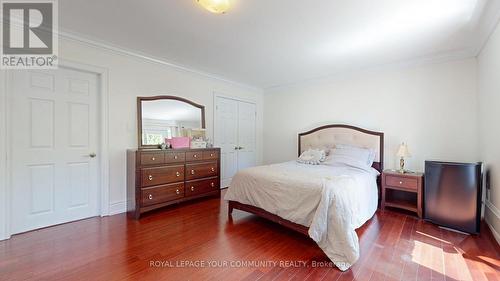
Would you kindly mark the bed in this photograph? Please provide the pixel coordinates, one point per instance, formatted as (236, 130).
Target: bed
(327, 203)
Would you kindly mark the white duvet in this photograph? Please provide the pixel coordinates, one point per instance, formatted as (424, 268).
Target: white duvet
(331, 200)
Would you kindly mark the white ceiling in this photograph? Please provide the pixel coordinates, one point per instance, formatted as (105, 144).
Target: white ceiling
(265, 43)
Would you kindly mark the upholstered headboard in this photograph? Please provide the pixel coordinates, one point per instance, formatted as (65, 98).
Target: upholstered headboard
(330, 135)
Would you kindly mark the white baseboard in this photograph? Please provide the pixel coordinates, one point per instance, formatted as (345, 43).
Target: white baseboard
(494, 210)
(495, 233)
(117, 208)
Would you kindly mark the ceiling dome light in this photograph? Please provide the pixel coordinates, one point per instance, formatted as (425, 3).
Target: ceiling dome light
(215, 6)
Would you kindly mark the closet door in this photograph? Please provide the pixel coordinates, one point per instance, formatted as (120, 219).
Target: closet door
(236, 136)
(226, 137)
(246, 135)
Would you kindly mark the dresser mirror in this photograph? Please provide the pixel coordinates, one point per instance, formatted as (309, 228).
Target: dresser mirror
(164, 117)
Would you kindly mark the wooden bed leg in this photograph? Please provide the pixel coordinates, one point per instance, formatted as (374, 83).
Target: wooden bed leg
(230, 208)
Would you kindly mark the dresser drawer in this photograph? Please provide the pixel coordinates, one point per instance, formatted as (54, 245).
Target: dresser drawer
(163, 193)
(210, 154)
(162, 175)
(201, 170)
(175, 157)
(401, 182)
(202, 186)
(149, 158)
(194, 155)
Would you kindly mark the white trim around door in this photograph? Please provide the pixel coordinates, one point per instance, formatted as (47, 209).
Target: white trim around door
(5, 148)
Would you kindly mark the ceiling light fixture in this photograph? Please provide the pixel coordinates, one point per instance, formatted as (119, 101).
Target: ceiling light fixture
(215, 6)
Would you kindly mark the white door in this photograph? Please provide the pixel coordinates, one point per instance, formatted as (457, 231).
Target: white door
(246, 135)
(54, 172)
(235, 135)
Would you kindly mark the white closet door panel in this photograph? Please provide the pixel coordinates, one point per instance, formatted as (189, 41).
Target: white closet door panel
(226, 137)
(246, 135)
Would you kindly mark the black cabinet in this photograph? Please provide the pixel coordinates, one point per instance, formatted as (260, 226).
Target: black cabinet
(452, 195)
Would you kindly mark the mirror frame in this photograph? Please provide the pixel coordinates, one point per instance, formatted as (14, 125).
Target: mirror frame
(139, 115)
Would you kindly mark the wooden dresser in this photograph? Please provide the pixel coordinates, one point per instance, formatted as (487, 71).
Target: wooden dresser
(158, 178)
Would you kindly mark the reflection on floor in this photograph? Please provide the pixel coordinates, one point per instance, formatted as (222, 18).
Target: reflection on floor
(198, 242)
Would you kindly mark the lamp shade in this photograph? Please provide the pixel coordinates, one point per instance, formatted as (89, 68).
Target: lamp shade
(403, 151)
(215, 6)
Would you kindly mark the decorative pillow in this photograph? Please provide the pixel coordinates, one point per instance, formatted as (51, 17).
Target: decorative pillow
(351, 155)
(312, 156)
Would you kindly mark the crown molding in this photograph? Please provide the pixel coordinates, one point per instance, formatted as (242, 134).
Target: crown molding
(75, 37)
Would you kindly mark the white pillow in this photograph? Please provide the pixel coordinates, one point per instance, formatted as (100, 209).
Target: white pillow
(351, 155)
(312, 156)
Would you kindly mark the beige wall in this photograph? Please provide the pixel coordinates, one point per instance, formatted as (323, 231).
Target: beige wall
(433, 108)
(489, 127)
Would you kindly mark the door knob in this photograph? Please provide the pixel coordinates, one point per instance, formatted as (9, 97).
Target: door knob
(92, 155)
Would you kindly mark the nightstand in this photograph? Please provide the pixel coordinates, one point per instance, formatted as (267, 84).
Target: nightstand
(403, 191)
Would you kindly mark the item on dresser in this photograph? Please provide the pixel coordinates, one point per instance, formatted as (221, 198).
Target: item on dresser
(158, 178)
(199, 143)
(179, 142)
(403, 191)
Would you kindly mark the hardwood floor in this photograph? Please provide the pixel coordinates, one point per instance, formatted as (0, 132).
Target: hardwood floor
(165, 246)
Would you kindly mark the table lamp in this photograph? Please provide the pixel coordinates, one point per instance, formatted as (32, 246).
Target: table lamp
(403, 153)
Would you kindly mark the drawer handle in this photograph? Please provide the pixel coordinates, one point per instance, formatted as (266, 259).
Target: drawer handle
(213, 169)
(177, 174)
(212, 184)
(150, 177)
(211, 155)
(175, 157)
(192, 188)
(177, 191)
(400, 182)
(195, 156)
(192, 172)
(150, 196)
(153, 159)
